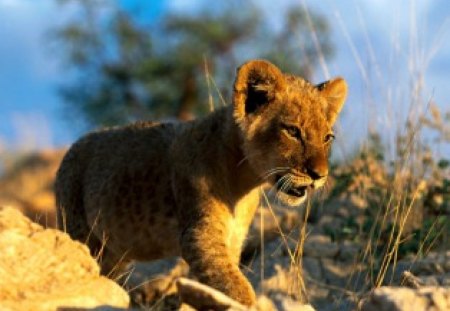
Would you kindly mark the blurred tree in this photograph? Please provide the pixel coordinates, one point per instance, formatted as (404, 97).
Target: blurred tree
(178, 67)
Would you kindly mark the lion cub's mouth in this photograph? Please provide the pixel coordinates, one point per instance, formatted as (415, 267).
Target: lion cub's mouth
(295, 191)
(290, 194)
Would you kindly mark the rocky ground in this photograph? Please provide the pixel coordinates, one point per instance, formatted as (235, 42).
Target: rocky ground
(344, 253)
(334, 277)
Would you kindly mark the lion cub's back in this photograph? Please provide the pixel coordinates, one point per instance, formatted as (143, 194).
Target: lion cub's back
(133, 150)
(126, 182)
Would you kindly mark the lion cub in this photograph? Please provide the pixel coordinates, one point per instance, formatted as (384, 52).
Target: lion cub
(148, 191)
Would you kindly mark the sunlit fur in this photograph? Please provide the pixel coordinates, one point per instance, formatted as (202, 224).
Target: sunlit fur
(148, 191)
(292, 101)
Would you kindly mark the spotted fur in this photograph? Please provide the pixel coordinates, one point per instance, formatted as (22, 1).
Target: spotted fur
(148, 191)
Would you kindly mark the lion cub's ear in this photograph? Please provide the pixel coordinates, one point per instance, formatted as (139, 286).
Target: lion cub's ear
(335, 92)
(257, 83)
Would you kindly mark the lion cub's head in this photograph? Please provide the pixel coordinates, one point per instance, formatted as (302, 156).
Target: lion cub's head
(286, 124)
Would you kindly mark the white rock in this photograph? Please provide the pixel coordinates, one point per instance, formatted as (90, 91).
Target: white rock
(406, 299)
(43, 269)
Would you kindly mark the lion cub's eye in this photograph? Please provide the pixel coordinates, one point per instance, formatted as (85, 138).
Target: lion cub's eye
(293, 131)
(328, 138)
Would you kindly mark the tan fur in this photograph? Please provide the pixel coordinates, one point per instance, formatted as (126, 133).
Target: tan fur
(191, 189)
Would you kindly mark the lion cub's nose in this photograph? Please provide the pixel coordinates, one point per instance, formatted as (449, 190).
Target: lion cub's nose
(317, 166)
(317, 172)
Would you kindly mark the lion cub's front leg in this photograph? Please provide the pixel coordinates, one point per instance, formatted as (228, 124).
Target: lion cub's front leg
(205, 247)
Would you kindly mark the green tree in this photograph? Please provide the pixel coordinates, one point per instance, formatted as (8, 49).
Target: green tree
(125, 70)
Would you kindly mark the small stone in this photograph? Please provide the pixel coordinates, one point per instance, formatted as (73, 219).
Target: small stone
(429, 280)
(153, 280)
(291, 305)
(336, 273)
(311, 268)
(358, 201)
(263, 303)
(410, 280)
(289, 220)
(348, 251)
(446, 264)
(280, 281)
(320, 246)
(284, 303)
(317, 292)
(204, 297)
(342, 212)
(396, 274)
(445, 280)
(332, 224)
(426, 266)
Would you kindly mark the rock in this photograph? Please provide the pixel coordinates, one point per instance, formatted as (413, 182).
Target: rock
(151, 281)
(358, 201)
(311, 268)
(430, 280)
(203, 297)
(269, 268)
(336, 273)
(291, 305)
(348, 251)
(43, 269)
(320, 245)
(289, 220)
(330, 224)
(410, 280)
(403, 299)
(269, 222)
(446, 264)
(431, 270)
(263, 303)
(445, 280)
(317, 292)
(281, 281)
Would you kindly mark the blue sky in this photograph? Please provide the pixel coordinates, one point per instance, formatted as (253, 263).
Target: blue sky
(380, 45)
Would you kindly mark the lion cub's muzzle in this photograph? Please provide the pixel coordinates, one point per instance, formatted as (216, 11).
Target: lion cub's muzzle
(293, 190)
